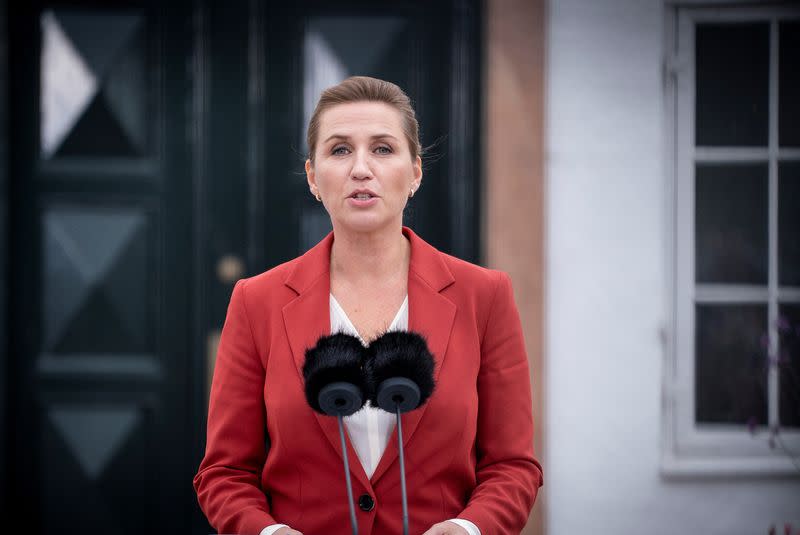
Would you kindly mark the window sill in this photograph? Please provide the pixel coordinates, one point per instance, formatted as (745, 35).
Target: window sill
(680, 468)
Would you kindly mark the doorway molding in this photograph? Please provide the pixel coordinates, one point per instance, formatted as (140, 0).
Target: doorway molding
(513, 229)
(4, 282)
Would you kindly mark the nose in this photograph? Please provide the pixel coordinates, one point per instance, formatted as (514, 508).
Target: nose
(361, 169)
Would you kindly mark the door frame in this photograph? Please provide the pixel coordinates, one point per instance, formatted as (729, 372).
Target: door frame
(514, 225)
(4, 229)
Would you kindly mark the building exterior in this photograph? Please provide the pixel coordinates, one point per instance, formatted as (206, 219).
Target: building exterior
(632, 164)
(621, 457)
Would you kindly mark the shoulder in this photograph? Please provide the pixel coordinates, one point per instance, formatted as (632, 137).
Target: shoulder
(481, 293)
(273, 276)
(474, 279)
(452, 275)
(268, 284)
(464, 269)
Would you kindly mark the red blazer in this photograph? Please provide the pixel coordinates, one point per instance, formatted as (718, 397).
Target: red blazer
(469, 451)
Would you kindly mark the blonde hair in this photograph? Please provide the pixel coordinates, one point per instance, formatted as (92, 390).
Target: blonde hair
(366, 89)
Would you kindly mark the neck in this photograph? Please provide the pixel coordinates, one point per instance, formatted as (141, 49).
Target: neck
(376, 256)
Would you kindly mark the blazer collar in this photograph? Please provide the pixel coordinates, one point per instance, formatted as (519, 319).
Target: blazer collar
(426, 263)
(431, 314)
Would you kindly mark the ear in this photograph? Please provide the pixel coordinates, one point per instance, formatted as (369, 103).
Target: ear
(417, 181)
(310, 176)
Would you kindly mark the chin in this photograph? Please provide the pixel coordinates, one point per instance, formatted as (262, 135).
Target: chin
(364, 225)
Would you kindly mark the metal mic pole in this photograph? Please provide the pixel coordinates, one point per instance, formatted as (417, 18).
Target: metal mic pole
(402, 469)
(401, 366)
(349, 484)
(334, 385)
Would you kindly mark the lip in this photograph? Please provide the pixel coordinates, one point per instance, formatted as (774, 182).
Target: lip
(363, 190)
(362, 203)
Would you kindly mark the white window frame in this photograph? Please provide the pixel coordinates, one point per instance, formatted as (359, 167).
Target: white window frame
(714, 450)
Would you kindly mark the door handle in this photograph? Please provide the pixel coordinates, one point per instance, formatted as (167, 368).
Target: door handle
(230, 268)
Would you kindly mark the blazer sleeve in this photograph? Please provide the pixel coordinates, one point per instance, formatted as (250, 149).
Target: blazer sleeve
(508, 474)
(228, 479)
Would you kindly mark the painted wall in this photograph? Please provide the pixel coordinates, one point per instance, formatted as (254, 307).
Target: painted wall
(607, 292)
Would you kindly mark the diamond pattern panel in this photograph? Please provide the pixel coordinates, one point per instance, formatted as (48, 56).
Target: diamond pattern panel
(338, 47)
(97, 131)
(94, 435)
(95, 281)
(360, 43)
(100, 37)
(94, 84)
(94, 469)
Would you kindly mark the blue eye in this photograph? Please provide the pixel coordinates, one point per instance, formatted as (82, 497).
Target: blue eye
(340, 150)
(383, 149)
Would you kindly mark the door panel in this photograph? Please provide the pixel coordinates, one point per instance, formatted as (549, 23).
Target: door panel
(99, 332)
(312, 45)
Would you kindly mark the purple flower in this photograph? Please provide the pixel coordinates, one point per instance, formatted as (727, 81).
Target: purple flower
(752, 422)
(782, 323)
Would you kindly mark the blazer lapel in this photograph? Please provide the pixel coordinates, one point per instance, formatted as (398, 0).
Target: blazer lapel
(306, 318)
(430, 314)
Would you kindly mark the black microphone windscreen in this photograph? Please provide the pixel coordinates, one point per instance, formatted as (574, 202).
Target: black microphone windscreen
(335, 358)
(400, 354)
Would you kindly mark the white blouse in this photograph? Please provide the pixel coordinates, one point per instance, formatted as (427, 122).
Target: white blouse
(370, 428)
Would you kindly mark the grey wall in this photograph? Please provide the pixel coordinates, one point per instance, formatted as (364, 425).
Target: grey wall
(606, 261)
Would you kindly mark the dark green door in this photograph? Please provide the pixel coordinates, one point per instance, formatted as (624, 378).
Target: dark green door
(156, 153)
(428, 48)
(100, 268)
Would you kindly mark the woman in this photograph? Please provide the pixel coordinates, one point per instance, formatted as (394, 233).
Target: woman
(272, 465)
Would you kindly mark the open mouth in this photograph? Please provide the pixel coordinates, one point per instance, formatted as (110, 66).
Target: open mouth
(362, 195)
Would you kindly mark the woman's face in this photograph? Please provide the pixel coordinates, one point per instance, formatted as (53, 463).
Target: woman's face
(362, 167)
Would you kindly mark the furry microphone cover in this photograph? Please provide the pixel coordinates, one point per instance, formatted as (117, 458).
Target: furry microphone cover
(335, 358)
(399, 354)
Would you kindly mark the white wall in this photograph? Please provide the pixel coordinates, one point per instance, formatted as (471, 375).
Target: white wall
(607, 291)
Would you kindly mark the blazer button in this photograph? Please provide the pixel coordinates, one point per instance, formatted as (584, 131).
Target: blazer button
(366, 503)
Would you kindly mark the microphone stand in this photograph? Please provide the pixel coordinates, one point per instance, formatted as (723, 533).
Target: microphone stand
(398, 395)
(334, 386)
(353, 523)
(405, 354)
(402, 468)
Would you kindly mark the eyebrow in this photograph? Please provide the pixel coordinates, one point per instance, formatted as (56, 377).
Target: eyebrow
(344, 137)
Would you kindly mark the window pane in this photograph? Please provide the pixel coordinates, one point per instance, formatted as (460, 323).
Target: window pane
(730, 370)
(789, 223)
(789, 364)
(731, 223)
(789, 84)
(732, 77)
